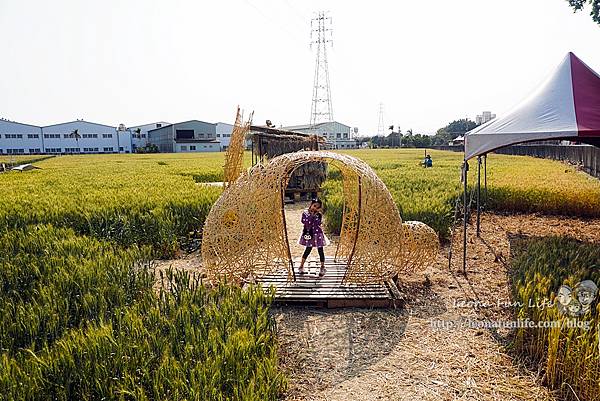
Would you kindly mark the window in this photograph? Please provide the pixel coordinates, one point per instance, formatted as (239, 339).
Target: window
(158, 125)
(33, 136)
(14, 136)
(109, 149)
(53, 150)
(74, 150)
(345, 135)
(192, 147)
(36, 150)
(120, 148)
(183, 147)
(65, 135)
(90, 136)
(15, 151)
(219, 135)
(338, 135)
(143, 135)
(107, 136)
(57, 136)
(184, 134)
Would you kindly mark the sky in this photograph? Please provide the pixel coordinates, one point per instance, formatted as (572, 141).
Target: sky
(141, 61)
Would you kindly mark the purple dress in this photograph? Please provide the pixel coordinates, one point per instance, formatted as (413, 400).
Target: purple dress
(312, 225)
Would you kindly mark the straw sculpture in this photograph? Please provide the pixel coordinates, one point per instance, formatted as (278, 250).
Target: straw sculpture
(245, 234)
(421, 245)
(234, 157)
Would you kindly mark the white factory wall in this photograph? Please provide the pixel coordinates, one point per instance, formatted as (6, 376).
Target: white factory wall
(197, 147)
(224, 134)
(18, 138)
(93, 138)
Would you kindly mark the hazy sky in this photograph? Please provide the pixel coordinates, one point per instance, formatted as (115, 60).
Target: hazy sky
(140, 61)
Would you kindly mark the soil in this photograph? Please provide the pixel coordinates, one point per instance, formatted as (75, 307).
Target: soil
(412, 353)
(360, 354)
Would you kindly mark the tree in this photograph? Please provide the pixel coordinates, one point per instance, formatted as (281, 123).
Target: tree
(578, 5)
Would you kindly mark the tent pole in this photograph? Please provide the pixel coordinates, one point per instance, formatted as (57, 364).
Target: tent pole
(466, 213)
(485, 180)
(478, 195)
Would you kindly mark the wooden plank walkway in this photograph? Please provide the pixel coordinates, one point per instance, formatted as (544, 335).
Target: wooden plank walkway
(328, 291)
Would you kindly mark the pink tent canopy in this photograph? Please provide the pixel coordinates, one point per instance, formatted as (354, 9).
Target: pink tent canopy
(566, 106)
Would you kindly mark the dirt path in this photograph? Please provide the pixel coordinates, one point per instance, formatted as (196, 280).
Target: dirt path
(356, 354)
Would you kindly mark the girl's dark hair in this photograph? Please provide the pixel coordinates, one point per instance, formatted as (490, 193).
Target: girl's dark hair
(316, 200)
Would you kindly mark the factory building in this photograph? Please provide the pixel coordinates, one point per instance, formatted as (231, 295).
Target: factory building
(18, 138)
(65, 138)
(339, 135)
(140, 136)
(188, 136)
(224, 131)
(85, 137)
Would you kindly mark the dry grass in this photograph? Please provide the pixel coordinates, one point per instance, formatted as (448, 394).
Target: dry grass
(398, 355)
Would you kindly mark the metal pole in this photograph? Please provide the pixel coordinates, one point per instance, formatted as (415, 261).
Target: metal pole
(478, 195)
(485, 180)
(465, 217)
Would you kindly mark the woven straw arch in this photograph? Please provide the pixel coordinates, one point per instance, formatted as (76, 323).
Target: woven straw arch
(245, 231)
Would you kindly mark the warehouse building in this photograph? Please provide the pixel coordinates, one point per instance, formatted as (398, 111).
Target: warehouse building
(224, 131)
(18, 138)
(85, 137)
(339, 135)
(65, 138)
(187, 136)
(140, 136)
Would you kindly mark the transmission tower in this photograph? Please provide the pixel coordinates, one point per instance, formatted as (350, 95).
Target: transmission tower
(381, 126)
(320, 37)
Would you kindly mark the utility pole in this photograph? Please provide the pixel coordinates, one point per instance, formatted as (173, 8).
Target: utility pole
(320, 36)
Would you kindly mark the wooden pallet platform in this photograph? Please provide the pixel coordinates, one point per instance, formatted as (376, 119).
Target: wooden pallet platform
(328, 291)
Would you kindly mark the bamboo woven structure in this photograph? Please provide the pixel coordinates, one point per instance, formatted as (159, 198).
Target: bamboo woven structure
(234, 157)
(245, 232)
(421, 245)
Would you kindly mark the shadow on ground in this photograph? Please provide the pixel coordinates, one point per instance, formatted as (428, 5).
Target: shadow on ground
(320, 348)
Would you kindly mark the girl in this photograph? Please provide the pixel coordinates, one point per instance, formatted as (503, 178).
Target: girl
(312, 235)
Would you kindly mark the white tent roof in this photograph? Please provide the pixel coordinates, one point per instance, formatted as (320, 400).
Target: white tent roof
(567, 105)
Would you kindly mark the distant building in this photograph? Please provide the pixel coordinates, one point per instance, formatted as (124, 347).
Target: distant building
(459, 140)
(484, 117)
(139, 133)
(224, 131)
(85, 137)
(65, 138)
(341, 136)
(188, 136)
(18, 138)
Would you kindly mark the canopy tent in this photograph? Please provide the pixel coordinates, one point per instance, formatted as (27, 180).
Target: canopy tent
(566, 106)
